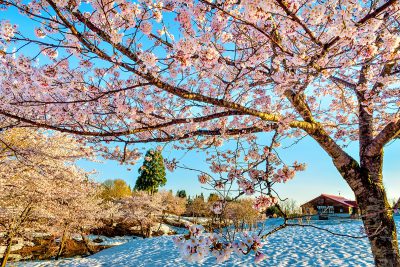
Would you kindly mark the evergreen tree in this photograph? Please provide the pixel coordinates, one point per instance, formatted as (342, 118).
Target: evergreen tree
(189, 200)
(181, 193)
(152, 172)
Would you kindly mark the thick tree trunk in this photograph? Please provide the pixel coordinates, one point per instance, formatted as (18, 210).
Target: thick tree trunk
(7, 252)
(376, 213)
(380, 227)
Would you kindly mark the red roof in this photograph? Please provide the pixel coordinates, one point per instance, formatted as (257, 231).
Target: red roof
(339, 199)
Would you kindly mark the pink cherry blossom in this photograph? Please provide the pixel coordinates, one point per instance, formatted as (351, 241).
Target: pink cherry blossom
(7, 30)
(217, 207)
(40, 33)
(246, 186)
(146, 27)
(203, 178)
(241, 80)
(259, 257)
(261, 203)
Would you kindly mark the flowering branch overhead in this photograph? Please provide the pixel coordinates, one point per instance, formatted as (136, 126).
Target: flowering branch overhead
(202, 74)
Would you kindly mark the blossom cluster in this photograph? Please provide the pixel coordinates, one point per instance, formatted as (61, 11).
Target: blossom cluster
(246, 186)
(40, 33)
(284, 174)
(217, 207)
(203, 178)
(126, 156)
(196, 245)
(7, 30)
(261, 203)
(171, 165)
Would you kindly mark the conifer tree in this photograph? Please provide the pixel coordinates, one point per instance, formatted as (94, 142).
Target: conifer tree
(181, 193)
(152, 173)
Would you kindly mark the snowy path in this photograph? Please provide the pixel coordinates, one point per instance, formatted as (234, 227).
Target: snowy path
(289, 247)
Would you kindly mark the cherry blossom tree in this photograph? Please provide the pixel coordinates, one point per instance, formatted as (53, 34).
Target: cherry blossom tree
(143, 210)
(172, 204)
(241, 214)
(197, 208)
(37, 178)
(203, 72)
(80, 211)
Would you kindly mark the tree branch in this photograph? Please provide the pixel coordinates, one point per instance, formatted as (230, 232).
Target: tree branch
(156, 81)
(340, 158)
(343, 82)
(391, 131)
(121, 133)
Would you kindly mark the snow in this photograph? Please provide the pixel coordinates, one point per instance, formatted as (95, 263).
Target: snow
(20, 243)
(199, 220)
(15, 247)
(166, 229)
(290, 247)
(111, 241)
(187, 220)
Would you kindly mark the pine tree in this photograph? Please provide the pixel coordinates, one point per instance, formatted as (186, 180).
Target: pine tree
(152, 172)
(181, 193)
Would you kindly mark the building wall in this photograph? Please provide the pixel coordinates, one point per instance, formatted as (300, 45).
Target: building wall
(312, 207)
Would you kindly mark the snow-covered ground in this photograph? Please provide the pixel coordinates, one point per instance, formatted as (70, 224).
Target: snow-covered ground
(188, 220)
(111, 241)
(289, 247)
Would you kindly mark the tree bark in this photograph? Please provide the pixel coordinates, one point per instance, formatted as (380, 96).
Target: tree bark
(365, 179)
(86, 242)
(376, 213)
(61, 248)
(380, 228)
(7, 251)
(142, 230)
(162, 220)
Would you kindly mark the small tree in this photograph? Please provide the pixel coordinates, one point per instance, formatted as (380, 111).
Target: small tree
(201, 196)
(241, 214)
(273, 211)
(152, 172)
(115, 189)
(142, 209)
(172, 204)
(198, 207)
(79, 211)
(181, 193)
(212, 198)
(290, 207)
